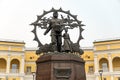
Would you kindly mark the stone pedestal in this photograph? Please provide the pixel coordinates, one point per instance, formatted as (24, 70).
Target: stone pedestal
(60, 67)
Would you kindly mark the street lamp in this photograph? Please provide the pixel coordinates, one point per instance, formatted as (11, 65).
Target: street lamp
(6, 77)
(33, 73)
(100, 72)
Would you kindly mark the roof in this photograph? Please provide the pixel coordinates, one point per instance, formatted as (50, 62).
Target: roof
(87, 48)
(107, 39)
(31, 48)
(10, 40)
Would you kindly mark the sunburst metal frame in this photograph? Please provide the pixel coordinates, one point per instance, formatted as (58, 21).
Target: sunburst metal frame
(39, 17)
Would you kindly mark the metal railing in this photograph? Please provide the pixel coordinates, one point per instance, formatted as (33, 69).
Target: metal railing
(28, 73)
(11, 70)
(14, 70)
(90, 72)
(105, 69)
(114, 69)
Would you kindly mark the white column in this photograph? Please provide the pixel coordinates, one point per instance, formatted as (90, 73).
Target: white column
(22, 64)
(8, 64)
(112, 78)
(22, 78)
(110, 63)
(96, 78)
(96, 63)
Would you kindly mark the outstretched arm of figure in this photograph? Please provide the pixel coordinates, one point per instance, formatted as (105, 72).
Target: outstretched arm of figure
(48, 29)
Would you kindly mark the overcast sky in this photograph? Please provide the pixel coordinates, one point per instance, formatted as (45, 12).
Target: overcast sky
(101, 17)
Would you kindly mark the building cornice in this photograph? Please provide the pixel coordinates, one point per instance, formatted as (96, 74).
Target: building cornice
(107, 51)
(31, 48)
(87, 48)
(12, 41)
(107, 40)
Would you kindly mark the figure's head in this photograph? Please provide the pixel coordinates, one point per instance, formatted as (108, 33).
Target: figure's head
(66, 30)
(55, 14)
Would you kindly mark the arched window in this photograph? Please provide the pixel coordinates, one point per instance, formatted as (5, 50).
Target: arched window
(103, 64)
(2, 65)
(14, 66)
(116, 64)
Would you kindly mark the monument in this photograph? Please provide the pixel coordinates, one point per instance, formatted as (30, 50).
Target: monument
(61, 57)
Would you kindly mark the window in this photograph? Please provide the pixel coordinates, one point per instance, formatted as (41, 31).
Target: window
(90, 69)
(104, 67)
(88, 57)
(30, 57)
(29, 69)
(14, 68)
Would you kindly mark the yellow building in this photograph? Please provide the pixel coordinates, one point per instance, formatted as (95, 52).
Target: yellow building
(12, 60)
(104, 55)
(18, 62)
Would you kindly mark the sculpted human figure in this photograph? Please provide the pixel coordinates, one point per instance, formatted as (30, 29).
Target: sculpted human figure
(55, 26)
(67, 42)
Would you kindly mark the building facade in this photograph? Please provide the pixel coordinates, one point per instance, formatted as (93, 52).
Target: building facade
(12, 60)
(105, 55)
(18, 62)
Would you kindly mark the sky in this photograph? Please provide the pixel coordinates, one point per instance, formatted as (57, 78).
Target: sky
(101, 17)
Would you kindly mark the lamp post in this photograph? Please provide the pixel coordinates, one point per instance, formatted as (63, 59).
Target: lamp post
(33, 73)
(100, 72)
(6, 77)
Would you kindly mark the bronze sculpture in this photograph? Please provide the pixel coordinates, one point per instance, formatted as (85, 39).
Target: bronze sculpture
(59, 60)
(57, 26)
(67, 42)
